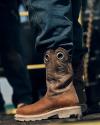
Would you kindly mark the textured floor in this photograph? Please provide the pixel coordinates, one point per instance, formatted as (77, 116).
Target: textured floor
(87, 120)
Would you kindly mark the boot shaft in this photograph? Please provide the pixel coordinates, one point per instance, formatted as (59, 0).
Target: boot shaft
(59, 73)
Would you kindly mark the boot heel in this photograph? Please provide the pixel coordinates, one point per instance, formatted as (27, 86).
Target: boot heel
(72, 112)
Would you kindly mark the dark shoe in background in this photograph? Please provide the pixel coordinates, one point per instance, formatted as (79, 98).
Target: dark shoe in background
(2, 103)
(2, 110)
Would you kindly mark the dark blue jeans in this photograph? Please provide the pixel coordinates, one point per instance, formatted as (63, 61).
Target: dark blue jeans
(55, 24)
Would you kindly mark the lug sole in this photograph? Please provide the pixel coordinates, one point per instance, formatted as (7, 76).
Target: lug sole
(61, 113)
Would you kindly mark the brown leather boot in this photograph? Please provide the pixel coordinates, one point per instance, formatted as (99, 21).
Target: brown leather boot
(61, 98)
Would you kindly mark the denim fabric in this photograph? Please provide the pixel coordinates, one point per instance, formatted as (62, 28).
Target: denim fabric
(55, 23)
(52, 23)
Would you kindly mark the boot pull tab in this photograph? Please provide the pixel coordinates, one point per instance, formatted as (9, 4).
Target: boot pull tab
(46, 58)
(60, 55)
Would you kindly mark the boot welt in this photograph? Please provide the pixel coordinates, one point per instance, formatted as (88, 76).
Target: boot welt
(66, 112)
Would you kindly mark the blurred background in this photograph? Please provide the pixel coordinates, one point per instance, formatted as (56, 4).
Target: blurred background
(90, 20)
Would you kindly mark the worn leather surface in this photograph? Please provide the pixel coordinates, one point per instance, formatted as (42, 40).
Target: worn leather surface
(60, 90)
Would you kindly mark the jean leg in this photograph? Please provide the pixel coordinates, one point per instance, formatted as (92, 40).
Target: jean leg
(51, 23)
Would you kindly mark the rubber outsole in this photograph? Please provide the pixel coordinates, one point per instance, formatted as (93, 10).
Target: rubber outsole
(66, 112)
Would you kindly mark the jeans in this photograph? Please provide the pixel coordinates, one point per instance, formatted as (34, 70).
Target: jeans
(55, 24)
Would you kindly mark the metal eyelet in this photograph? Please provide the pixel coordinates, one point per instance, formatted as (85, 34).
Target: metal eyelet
(46, 58)
(60, 55)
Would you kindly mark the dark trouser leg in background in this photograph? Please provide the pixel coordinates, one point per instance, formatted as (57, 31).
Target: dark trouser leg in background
(52, 21)
(12, 61)
(78, 53)
(17, 76)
